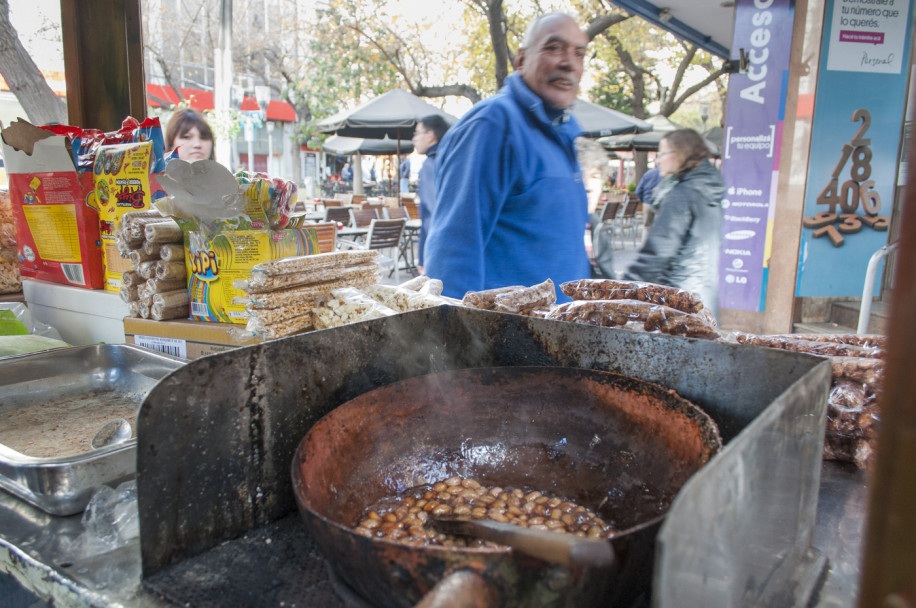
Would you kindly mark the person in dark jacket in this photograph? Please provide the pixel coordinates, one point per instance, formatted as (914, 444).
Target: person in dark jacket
(426, 137)
(645, 191)
(682, 246)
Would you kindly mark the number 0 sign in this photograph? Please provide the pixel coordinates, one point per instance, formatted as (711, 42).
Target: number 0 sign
(843, 202)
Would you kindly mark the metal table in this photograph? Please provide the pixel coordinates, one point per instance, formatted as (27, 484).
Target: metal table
(407, 249)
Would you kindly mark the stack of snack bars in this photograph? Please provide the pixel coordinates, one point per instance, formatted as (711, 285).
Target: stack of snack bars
(156, 287)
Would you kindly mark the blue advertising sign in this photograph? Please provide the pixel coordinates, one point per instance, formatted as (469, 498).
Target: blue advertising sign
(855, 139)
(751, 148)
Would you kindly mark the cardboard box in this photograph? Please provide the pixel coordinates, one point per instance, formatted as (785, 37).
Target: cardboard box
(57, 222)
(181, 338)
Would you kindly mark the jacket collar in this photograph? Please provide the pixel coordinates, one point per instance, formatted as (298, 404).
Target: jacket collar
(528, 99)
(431, 151)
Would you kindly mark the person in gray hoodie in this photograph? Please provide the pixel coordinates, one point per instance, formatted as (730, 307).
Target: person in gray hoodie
(682, 245)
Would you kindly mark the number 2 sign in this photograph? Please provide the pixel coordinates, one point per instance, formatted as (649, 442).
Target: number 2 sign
(856, 191)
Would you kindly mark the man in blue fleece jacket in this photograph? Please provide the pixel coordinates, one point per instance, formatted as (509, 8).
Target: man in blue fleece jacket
(511, 205)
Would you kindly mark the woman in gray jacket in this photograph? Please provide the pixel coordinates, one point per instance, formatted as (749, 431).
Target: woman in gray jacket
(682, 246)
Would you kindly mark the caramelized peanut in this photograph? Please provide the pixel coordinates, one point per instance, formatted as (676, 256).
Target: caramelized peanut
(403, 518)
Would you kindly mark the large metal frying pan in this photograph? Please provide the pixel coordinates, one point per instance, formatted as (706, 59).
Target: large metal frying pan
(614, 444)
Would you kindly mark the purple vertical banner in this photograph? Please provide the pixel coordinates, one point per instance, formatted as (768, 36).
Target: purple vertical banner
(751, 148)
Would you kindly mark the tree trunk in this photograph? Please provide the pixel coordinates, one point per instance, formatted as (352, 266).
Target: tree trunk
(24, 78)
(498, 40)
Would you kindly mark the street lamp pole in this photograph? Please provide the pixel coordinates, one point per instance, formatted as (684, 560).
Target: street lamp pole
(262, 95)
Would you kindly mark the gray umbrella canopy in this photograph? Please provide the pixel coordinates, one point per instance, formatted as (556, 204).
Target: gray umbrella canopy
(393, 115)
(598, 121)
(714, 139)
(648, 142)
(641, 142)
(345, 146)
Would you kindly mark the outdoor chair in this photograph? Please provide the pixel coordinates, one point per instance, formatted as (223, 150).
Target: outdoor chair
(413, 210)
(397, 213)
(628, 222)
(331, 202)
(357, 199)
(326, 233)
(382, 235)
(339, 215)
(361, 218)
(607, 216)
(345, 199)
(378, 206)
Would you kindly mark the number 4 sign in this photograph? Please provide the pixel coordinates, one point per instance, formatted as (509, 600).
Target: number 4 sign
(856, 191)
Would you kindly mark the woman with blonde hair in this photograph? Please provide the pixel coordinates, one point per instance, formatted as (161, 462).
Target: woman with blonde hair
(682, 246)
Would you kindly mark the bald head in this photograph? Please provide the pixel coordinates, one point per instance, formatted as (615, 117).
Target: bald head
(551, 59)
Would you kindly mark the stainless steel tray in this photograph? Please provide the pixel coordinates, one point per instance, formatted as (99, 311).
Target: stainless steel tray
(120, 372)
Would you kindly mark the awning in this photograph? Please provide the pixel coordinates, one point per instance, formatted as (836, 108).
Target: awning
(161, 96)
(709, 24)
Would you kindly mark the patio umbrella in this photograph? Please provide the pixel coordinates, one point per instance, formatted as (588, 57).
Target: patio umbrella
(598, 121)
(345, 146)
(357, 147)
(714, 138)
(641, 142)
(393, 114)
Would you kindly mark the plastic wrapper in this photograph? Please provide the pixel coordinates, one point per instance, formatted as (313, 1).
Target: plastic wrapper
(608, 289)
(10, 281)
(824, 348)
(432, 287)
(415, 283)
(202, 191)
(857, 374)
(403, 300)
(15, 319)
(130, 278)
(275, 196)
(297, 295)
(129, 292)
(171, 252)
(486, 299)
(336, 259)
(864, 370)
(635, 314)
(526, 299)
(161, 312)
(852, 423)
(151, 249)
(348, 305)
(170, 270)
(162, 232)
(260, 283)
(163, 285)
(170, 299)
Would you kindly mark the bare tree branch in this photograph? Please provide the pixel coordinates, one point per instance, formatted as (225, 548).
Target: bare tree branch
(24, 78)
(601, 23)
(462, 90)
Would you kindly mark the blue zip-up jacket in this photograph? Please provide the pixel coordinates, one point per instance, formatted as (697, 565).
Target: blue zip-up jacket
(511, 208)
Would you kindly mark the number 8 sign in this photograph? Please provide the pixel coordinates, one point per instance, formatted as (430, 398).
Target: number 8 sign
(857, 190)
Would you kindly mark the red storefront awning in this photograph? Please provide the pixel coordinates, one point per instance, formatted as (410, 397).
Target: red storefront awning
(160, 96)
